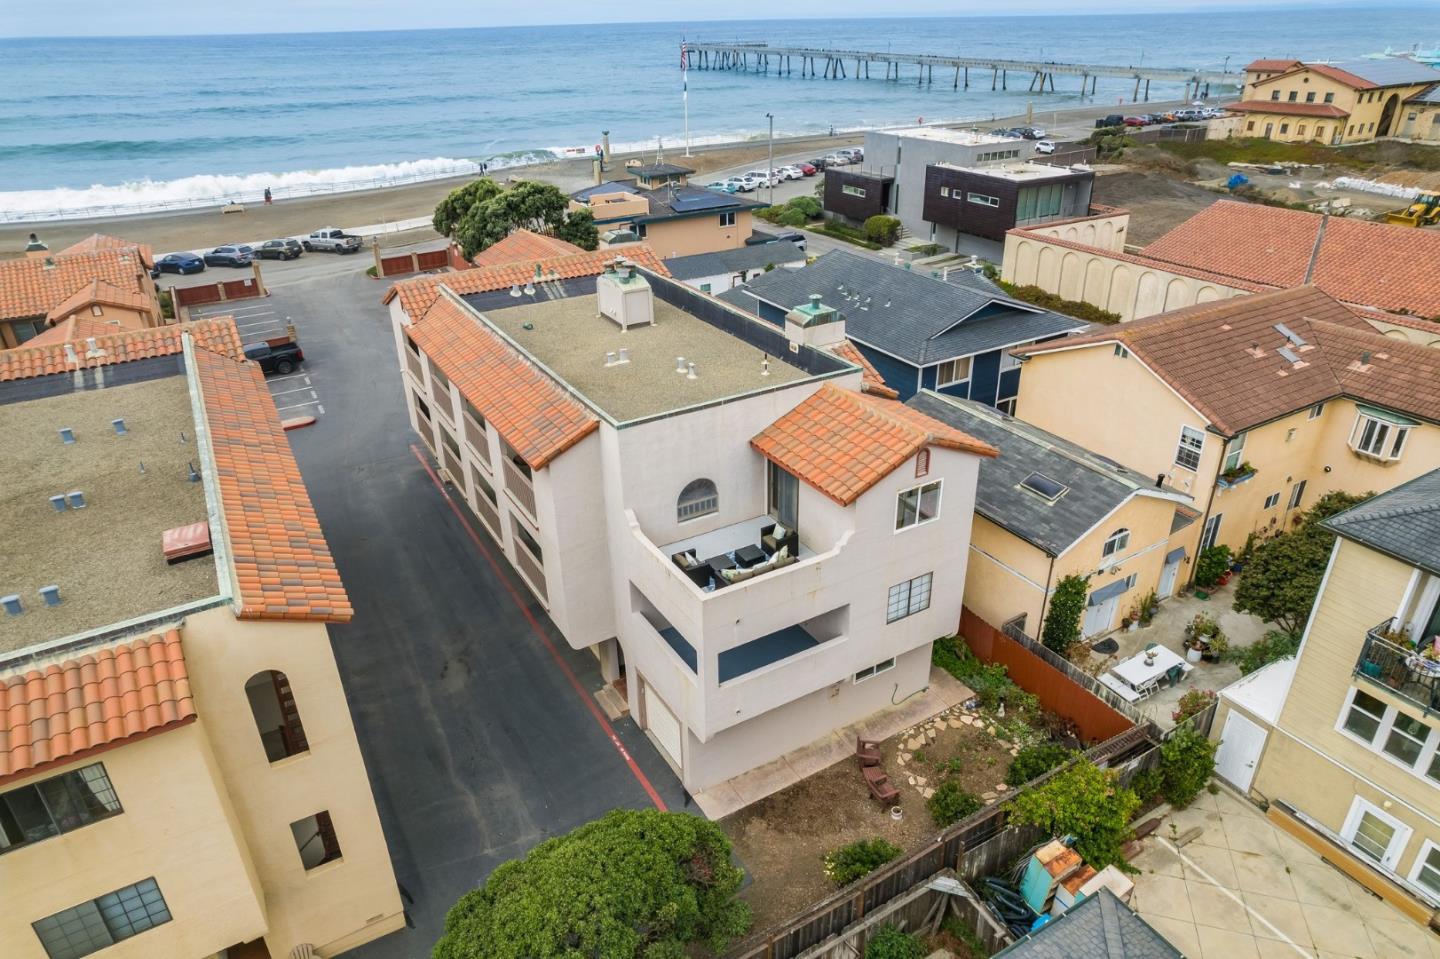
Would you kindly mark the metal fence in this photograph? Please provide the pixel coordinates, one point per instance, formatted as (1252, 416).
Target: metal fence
(1081, 678)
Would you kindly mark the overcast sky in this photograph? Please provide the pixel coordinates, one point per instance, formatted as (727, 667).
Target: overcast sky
(152, 17)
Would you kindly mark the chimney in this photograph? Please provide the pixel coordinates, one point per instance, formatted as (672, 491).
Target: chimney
(815, 324)
(625, 297)
(34, 248)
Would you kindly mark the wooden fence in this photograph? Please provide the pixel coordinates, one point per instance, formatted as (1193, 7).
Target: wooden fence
(978, 846)
(1062, 687)
(419, 261)
(221, 291)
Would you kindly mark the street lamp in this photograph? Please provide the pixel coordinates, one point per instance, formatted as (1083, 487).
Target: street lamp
(770, 171)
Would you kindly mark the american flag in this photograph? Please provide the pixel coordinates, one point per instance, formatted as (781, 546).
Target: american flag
(684, 56)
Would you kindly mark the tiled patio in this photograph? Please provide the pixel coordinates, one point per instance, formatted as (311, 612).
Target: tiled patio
(1246, 890)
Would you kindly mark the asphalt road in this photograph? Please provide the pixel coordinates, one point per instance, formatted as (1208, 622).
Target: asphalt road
(478, 743)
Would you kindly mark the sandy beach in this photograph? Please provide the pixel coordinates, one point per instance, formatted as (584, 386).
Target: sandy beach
(201, 228)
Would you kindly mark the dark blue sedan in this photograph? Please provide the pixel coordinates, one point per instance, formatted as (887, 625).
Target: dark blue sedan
(181, 263)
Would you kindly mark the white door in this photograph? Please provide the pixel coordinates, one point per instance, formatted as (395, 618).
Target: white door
(1098, 618)
(1241, 743)
(662, 724)
(1167, 578)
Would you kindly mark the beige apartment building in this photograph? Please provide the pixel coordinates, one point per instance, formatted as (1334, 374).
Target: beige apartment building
(658, 207)
(179, 774)
(98, 286)
(1346, 102)
(1343, 740)
(1253, 406)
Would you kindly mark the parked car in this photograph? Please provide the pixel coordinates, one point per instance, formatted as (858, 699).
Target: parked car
(836, 159)
(739, 184)
(1110, 120)
(856, 154)
(1045, 146)
(809, 169)
(792, 173)
(281, 355)
(279, 250)
(792, 236)
(721, 186)
(332, 240)
(180, 263)
(232, 254)
(819, 164)
(1137, 121)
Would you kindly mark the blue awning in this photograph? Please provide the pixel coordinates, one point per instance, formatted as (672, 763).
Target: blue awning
(1175, 555)
(1106, 592)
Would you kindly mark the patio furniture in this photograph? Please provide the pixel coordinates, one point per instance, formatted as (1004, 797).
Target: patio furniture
(1174, 674)
(717, 563)
(867, 752)
(879, 784)
(772, 543)
(1120, 688)
(749, 555)
(685, 559)
(700, 574)
(1142, 671)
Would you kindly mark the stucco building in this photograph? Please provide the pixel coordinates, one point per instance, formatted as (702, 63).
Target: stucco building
(98, 286)
(179, 775)
(1046, 508)
(1347, 102)
(1252, 406)
(757, 548)
(1342, 740)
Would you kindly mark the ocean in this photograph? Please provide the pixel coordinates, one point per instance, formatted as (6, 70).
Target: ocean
(131, 123)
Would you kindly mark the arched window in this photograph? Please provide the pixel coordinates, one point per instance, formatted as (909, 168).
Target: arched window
(1118, 541)
(272, 703)
(698, 498)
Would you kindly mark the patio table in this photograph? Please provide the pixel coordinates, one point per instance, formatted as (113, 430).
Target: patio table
(1119, 688)
(1137, 674)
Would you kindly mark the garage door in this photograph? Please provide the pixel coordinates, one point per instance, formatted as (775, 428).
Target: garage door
(662, 724)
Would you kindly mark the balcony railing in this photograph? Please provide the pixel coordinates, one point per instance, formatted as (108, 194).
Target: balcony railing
(488, 513)
(533, 572)
(1399, 668)
(475, 436)
(412, 362)
(520, 488)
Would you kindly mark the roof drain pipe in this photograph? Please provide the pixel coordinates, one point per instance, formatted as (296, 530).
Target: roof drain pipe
(1045, 602)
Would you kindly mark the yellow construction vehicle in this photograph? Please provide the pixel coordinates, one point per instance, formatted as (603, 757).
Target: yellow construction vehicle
(1425, 211)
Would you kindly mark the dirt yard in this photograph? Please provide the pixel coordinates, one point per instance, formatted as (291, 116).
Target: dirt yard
(782, 839)
(1156, 202)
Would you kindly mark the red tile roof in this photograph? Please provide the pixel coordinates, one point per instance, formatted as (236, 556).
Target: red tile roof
(874, 383)
(1270, 66)
(1360, 262)
(534, 414)
(1208, 354)
(97, 291)
(417, 294)
(843, 443)
(73, 709)
(283, 566)
(217, 334)
(524, 246)
(34, 285)
(1340, 76)
(1326, 111)
(104, 241)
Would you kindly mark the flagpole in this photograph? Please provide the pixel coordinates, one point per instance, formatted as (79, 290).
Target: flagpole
(685, 90)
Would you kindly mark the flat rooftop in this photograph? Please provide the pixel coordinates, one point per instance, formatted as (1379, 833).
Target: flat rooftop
(105, 558)
(569, 337)
(946, 135)
(1018, 172)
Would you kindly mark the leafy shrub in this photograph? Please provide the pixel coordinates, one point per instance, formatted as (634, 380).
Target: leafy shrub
(1062, 624)
(1187, 760)
(1193, 701)
(631, 883)
(882, 229)
(793, 217)
(1272, 646)
(1035, 761)
(951, 803)
(167, 302)
(861, 857)
(1051, 301)
(990, 681)
(1086, 802)
(1147, 784)
(890, 943)
(807, 205)
(842, 232)
(1211, 565)
(927, 249)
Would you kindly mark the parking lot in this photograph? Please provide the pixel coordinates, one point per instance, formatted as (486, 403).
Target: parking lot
(263, 319)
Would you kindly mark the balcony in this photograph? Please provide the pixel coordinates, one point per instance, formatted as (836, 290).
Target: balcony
(520, 487)
(475, 436)
(1399, 668)
(532, 570)
(412, 363)
(722, 547)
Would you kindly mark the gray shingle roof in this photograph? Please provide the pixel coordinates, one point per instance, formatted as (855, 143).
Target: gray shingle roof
(659, 169)
(1389, 71)
(1096, 486)
(1404, 522)
(670, 201)
(1430, 94)
(1099, 926)
(749, 257)
(911, 315)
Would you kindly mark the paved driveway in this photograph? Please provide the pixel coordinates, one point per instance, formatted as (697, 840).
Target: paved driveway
(1247, 890)
(478, 742)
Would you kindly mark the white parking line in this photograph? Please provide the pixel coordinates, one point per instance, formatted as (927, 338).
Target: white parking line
(250, 313)
(1190, 864)
(291, 376)
(296, 406)
(302, 389)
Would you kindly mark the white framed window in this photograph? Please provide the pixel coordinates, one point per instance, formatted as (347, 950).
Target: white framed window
(727, 219)
(1121, 352)
(1117, 542)
(1363, 715)
(908, 598)
(945, 192)
(952, 371)
(1297, 493)
(1272, 501)
(982, 199)
(1006, 406)
(1315, 411)
(1131, 580)
(1211, 531)
(1406, 740)
(1391, 733)
(1191, 445)
(1008, 362)
(849, 190)
(1374, 833)
(1234, 453)
(917, 505)
(884, 665)
(1426, 871)
(1377, 437)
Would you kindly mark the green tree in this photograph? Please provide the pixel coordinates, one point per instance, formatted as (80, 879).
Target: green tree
(451, 210)
(1033, 761)
(632, 884)
(578, 228)
(1281, 580)
(1187, 760)
(1062, 623)
(482, 213)
(1086, 802)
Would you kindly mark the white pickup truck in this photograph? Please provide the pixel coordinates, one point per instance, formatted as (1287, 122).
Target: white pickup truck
(332, 240)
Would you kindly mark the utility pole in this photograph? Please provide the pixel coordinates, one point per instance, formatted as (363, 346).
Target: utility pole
(770, 178)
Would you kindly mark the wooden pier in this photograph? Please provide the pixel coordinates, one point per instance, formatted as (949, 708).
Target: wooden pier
(831, 64)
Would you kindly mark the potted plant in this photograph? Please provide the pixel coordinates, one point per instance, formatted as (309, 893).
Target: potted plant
(1219, 646)
(1148, 605)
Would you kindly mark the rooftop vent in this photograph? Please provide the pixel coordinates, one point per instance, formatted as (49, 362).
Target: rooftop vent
(76, 499)
(1289, 334)
(194, 475)
(33, 245)
(119, 425)
(67, 435)
(679, 364)
(1044, 487)
(70, 355)
(690, 372)
(51, 595)
(625, 297)
(57, 503)
(91, 349)
(49, 263)
(12, 605)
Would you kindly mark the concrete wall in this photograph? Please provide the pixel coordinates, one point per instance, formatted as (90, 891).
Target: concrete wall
(1104, 230)
(1128, 286)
